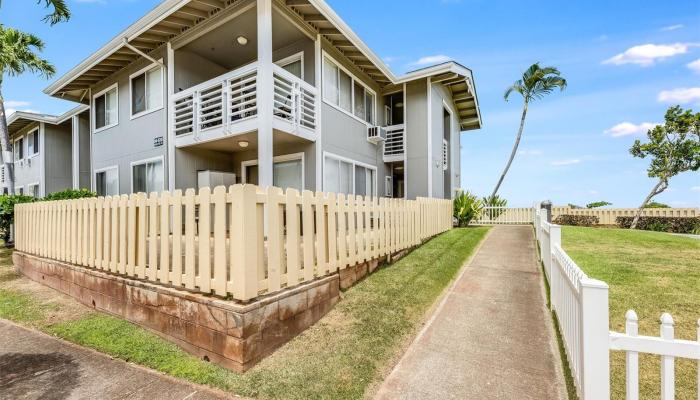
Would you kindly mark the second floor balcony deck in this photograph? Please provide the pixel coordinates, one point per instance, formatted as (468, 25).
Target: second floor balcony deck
(228, 105)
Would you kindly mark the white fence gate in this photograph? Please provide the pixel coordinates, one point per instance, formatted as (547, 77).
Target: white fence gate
(504, 216)
(581, 306)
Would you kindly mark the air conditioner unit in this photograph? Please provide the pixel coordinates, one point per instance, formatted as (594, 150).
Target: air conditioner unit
(376, 134)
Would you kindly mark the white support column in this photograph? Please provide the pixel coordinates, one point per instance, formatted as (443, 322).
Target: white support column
(595, 338)
(318, 63)
(265, 92)
(170, 142)
(42, 156)
(75, 155)
(430, 136)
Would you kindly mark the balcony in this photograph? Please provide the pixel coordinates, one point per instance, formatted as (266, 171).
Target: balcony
(394, 145)
(228, 105)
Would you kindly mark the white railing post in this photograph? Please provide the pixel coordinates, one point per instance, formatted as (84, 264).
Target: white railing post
(632, 329)
(595, 340)
(667, 362)
(554, 240)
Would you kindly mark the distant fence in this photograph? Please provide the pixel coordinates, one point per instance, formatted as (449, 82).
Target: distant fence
(607, 216)
(504, 216)
(581, 306)
(239, 242)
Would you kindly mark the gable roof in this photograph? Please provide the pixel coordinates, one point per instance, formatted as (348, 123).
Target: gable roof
(18, 120)
(172, 18)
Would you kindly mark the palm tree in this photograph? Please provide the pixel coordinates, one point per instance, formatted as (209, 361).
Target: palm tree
(17, 55)
(535, 84)
(60, 11)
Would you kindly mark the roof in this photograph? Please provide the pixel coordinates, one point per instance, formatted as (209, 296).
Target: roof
(172, 18)
(20, 119)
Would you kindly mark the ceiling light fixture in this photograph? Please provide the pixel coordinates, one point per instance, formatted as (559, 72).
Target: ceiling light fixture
(242, 40)
(243, 143)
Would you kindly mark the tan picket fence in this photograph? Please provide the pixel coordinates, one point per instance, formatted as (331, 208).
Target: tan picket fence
(241, 242)
(607, 216)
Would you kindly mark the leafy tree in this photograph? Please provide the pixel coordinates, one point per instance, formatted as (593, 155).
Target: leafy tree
(574, 206)
(598, 204)
(7, 213)
(536, 83)
(673, 148)
(655, 204)
(467, 207)
(17, 55)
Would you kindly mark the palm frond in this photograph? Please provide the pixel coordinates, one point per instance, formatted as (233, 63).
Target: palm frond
(18, 53)
(60, 11)
(516, 87)
(538, 82)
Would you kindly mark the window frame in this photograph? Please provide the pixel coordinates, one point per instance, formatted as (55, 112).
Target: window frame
(38, 188)
(105, 169)
(147, 161)
(299, 56)
(276, 159)
(93, 109)
(32, 132)
(143, 71)
(21, 148)
(354, 164)
(353, 80)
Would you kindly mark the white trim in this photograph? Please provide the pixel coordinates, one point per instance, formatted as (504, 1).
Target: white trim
(405, 145)
(38, 188)
(276, 159)
(14, 141)
(318, 146)
(170, 69)
(291, 60)
(75, 151)
(145, 161)
(50, 119)
(354, 79)
(105, 169)
(38, 131)
(354, 163)
(150, 67)
(93, 120)
(430, 136)
(42, 168)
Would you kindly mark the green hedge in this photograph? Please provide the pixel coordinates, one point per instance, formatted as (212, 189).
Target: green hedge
(662, 224)
(70, 194)
(576, 220)
(7, 212)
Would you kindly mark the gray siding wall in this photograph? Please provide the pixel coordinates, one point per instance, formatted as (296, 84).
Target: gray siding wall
(58, 159)
(189, 161)
(84, 150)
(132, 139)
(346, 136)
(416, 139)
(439, 97)
(29, 172)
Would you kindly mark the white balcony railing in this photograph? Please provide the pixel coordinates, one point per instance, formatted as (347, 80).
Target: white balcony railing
(394, 146)
(222, 103)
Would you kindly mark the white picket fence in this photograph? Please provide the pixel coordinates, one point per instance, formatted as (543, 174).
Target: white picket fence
(504, 216)
(581, 306)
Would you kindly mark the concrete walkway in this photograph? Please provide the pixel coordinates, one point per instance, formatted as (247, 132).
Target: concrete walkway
(37, 366)
(491, 337)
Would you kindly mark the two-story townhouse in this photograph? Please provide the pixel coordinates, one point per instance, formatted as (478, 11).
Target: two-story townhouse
(207, 92)
(51, 153)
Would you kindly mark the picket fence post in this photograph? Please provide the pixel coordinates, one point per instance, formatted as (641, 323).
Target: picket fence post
(667, 362)
(595, 340)
(554, 240)
(632, 357)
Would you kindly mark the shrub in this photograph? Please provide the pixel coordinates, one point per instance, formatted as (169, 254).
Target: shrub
(576, 220)
(662, 224)
(655, 204)
(70, 194)
(598, 204)
(466, 208)
(7, 212)
(497, 202)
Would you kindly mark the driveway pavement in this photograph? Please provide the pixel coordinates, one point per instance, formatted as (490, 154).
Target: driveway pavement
(491, 337)
(34, 365)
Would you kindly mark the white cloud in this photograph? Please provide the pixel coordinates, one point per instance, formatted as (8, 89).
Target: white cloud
(16, 103)
(12, 106)
(647, 54)
(530, 152)
(671, 27)
(593, 192)
(680, 95)
(695, 189)
(428, 60)
(562, 163)
(694, 65)
(628, 128)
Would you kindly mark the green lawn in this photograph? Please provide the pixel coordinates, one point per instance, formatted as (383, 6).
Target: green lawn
(344, 356)
(651, 273)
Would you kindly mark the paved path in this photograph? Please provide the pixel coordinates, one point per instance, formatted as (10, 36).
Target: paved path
(37, 366)
(492, 337)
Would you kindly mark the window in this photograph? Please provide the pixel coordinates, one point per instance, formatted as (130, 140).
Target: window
(287, 171)
(146, 91)
(293, 64)
(107, 182)
(106, 110)
(348, 177)
(33, 143)
(18, 149)
(19, 190)
(346, 92)
(147, 177)
(33, 190)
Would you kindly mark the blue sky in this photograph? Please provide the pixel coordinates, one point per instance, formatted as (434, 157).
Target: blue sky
(625, 61)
